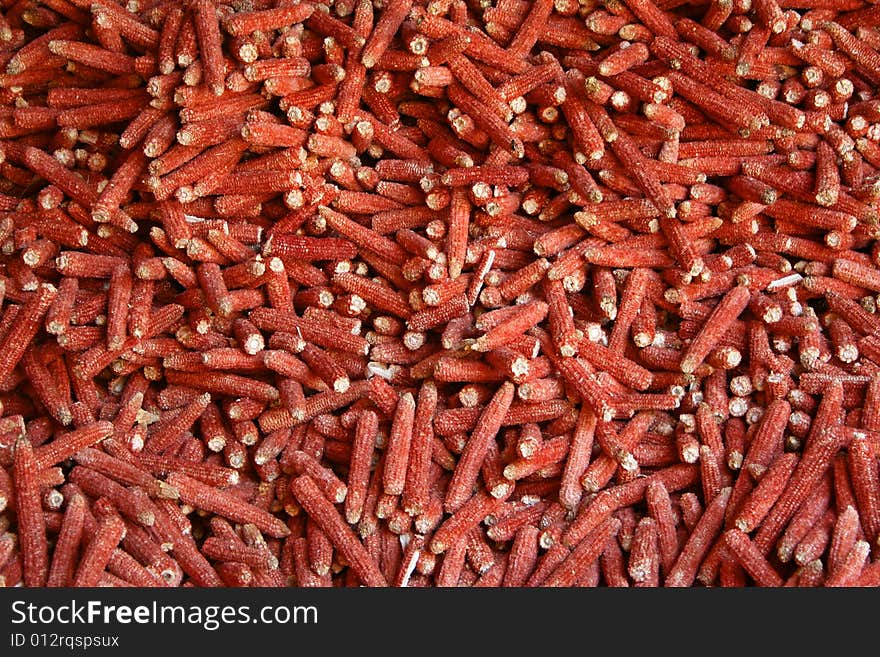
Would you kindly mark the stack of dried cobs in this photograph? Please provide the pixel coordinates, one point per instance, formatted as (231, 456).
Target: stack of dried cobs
(439, 293)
